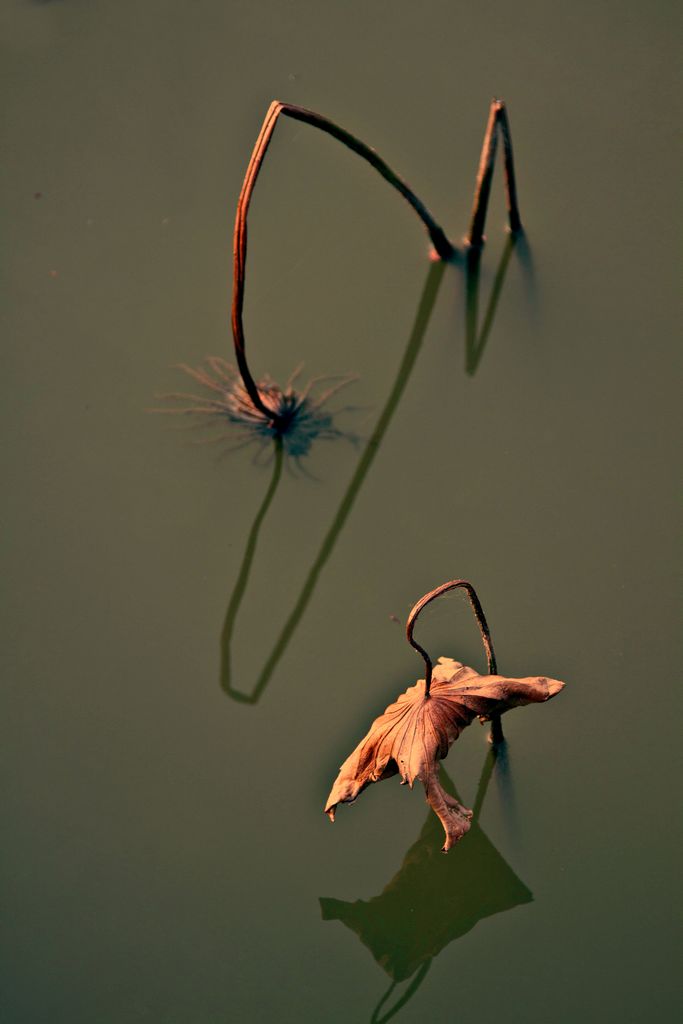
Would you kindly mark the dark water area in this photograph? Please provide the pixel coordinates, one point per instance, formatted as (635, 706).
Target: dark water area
(166, 858)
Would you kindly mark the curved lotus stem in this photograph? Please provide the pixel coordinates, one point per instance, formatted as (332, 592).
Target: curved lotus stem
(445, 249)
(478, 614)
(496, 728)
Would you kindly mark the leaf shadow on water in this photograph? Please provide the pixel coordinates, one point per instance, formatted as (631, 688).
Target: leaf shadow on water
(475, 341)
(433, 899)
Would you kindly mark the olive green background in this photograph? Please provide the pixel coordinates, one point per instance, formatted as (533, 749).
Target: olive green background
(164, 848)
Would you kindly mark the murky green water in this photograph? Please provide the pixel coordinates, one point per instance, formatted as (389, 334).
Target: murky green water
(165, 849)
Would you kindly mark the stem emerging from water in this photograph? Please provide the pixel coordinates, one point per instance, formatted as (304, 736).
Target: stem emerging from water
(498, 123)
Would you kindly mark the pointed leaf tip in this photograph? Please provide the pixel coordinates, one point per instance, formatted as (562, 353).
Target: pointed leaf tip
(554, 687)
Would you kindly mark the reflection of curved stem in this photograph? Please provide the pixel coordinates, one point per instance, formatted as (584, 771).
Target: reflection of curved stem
(443, 247)
(424, 311)
(497, 124)
(484, 779)
(474, 346)
(408, 994)
(243, 577)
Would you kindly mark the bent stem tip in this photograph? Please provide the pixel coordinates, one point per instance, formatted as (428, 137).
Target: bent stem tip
(442, 245)
(498, 124)
(496, 728)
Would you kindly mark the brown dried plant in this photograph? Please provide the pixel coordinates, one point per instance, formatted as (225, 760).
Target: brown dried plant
(262, 408)
(417, 731)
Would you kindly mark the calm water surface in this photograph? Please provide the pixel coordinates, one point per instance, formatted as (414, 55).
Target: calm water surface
(165, 851)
